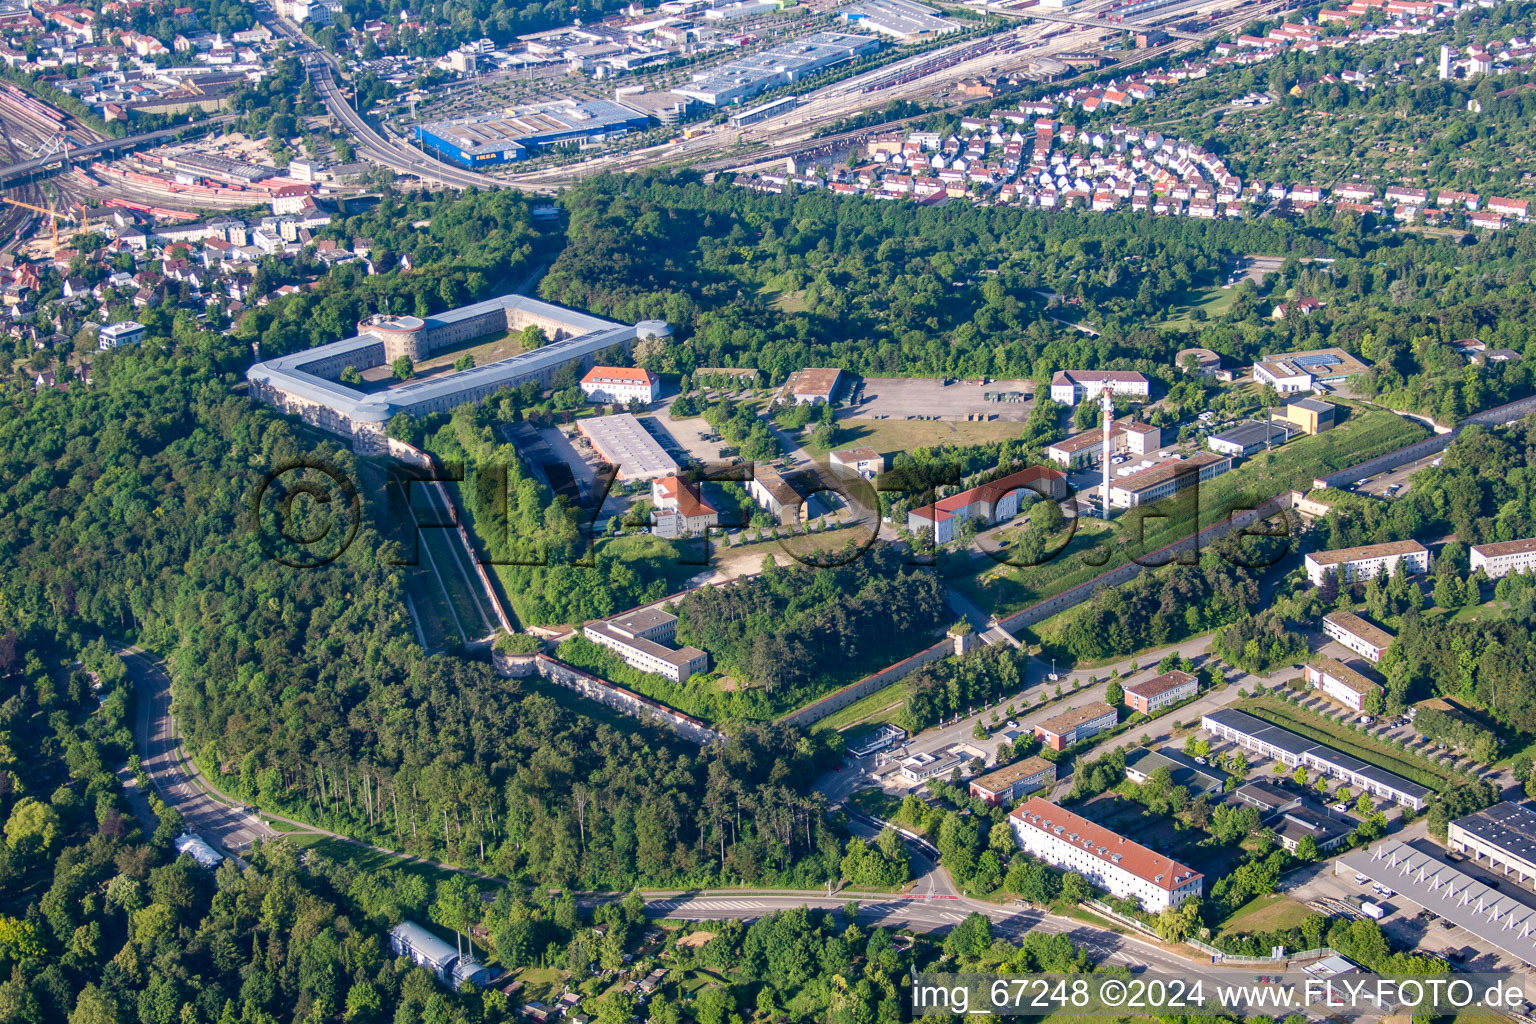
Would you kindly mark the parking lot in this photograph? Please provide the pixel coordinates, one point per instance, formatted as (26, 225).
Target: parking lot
(910, 397)
(1406, 923)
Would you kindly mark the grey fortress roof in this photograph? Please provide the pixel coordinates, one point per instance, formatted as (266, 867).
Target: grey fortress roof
(588, 334)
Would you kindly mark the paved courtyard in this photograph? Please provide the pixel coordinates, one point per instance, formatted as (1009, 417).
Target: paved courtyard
(908, 397)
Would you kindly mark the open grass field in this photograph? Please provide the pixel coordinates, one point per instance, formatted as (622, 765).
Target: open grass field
(881, 706)
(1271, 912)
(1366, 748)
(1214, 301)
(485, 350)
(430, 604)
(893, 435)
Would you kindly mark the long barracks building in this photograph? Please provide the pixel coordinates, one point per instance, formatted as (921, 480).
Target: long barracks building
(1106, 859)
(1289, 749)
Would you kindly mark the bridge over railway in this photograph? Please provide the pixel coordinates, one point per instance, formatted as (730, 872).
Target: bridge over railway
(31, 170)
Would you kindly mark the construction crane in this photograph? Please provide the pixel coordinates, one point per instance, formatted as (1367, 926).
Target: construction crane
(53, 215)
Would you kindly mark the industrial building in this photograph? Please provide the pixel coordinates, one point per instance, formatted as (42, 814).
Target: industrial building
(1366, 639)
(1291, 750)
(1106, 859)
(640, 638)
(780, 495)
(1015, 780)
(1352, 564)
(1301, 822)
(990, 503)
(790, 62)
(903, 20)
(306, 384)
(815, 385)
(1248, 437)
(1304, 371)
(624, 442)
(922, 767)
(1166, 479)
(1307, 415)
(485, 140)
(622, 384)
(1152, 695)
(1185, 771)
(1496, 918)
(876, 740)
(1500, 838)
(763, 111)
(1501, 558)
(1341, 683)
(1073, 724)
(1072, 386)
(424, 949)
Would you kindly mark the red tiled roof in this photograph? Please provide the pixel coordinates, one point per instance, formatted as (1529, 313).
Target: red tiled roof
(989, 492)
(1135, 858)
(620, 374)
(689, 504)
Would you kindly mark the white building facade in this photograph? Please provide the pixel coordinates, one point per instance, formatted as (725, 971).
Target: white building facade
(1106, 859)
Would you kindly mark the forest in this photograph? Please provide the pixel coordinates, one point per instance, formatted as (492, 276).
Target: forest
(794, 630)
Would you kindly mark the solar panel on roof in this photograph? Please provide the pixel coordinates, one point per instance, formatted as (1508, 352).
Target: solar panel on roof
(1320, 359)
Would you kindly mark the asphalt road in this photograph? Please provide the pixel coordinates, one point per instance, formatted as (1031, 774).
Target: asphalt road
(164, 762)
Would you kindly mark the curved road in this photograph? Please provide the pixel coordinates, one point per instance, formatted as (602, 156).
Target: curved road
(936, 907)
(169, 770)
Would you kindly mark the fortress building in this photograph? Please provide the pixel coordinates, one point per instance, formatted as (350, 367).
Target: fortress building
(306, 384)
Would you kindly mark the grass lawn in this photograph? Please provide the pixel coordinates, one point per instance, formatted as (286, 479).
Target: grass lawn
(893, 435)
(485, 350)
(881, 706)
(875, 801)
(1323, 730)
(540, 983)
(1215, 300)
(1004, 589)
(371, 860)
(431, 606)
(1268, 913)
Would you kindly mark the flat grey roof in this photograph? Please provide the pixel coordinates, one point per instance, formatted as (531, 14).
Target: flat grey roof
(289, 373)
(1251, 432)
(1509, 826)
(1298, 822)
(1182, 767)
(625, 442)
(1296, 746)
(1496, 918)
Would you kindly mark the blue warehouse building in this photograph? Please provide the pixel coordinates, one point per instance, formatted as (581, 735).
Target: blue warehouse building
(489, 139)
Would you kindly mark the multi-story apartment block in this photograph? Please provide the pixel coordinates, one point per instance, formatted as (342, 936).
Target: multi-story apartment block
(1351, 564)
(1075, 724)
(1106, 859)
(1366, 639)
(1501, 558)
(1341, 683)
(1152, 695)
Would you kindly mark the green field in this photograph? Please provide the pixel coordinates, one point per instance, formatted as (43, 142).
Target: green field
(891, 436)
(1214, 300)
(1323, 730)
(1271, 912)
(881, 706)
(370, 859)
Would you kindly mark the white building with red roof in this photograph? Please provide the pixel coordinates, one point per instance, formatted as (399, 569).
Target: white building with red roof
(990, 503)
(1072, 386)
(621, 384)
(1106, 859)
(680, 511)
